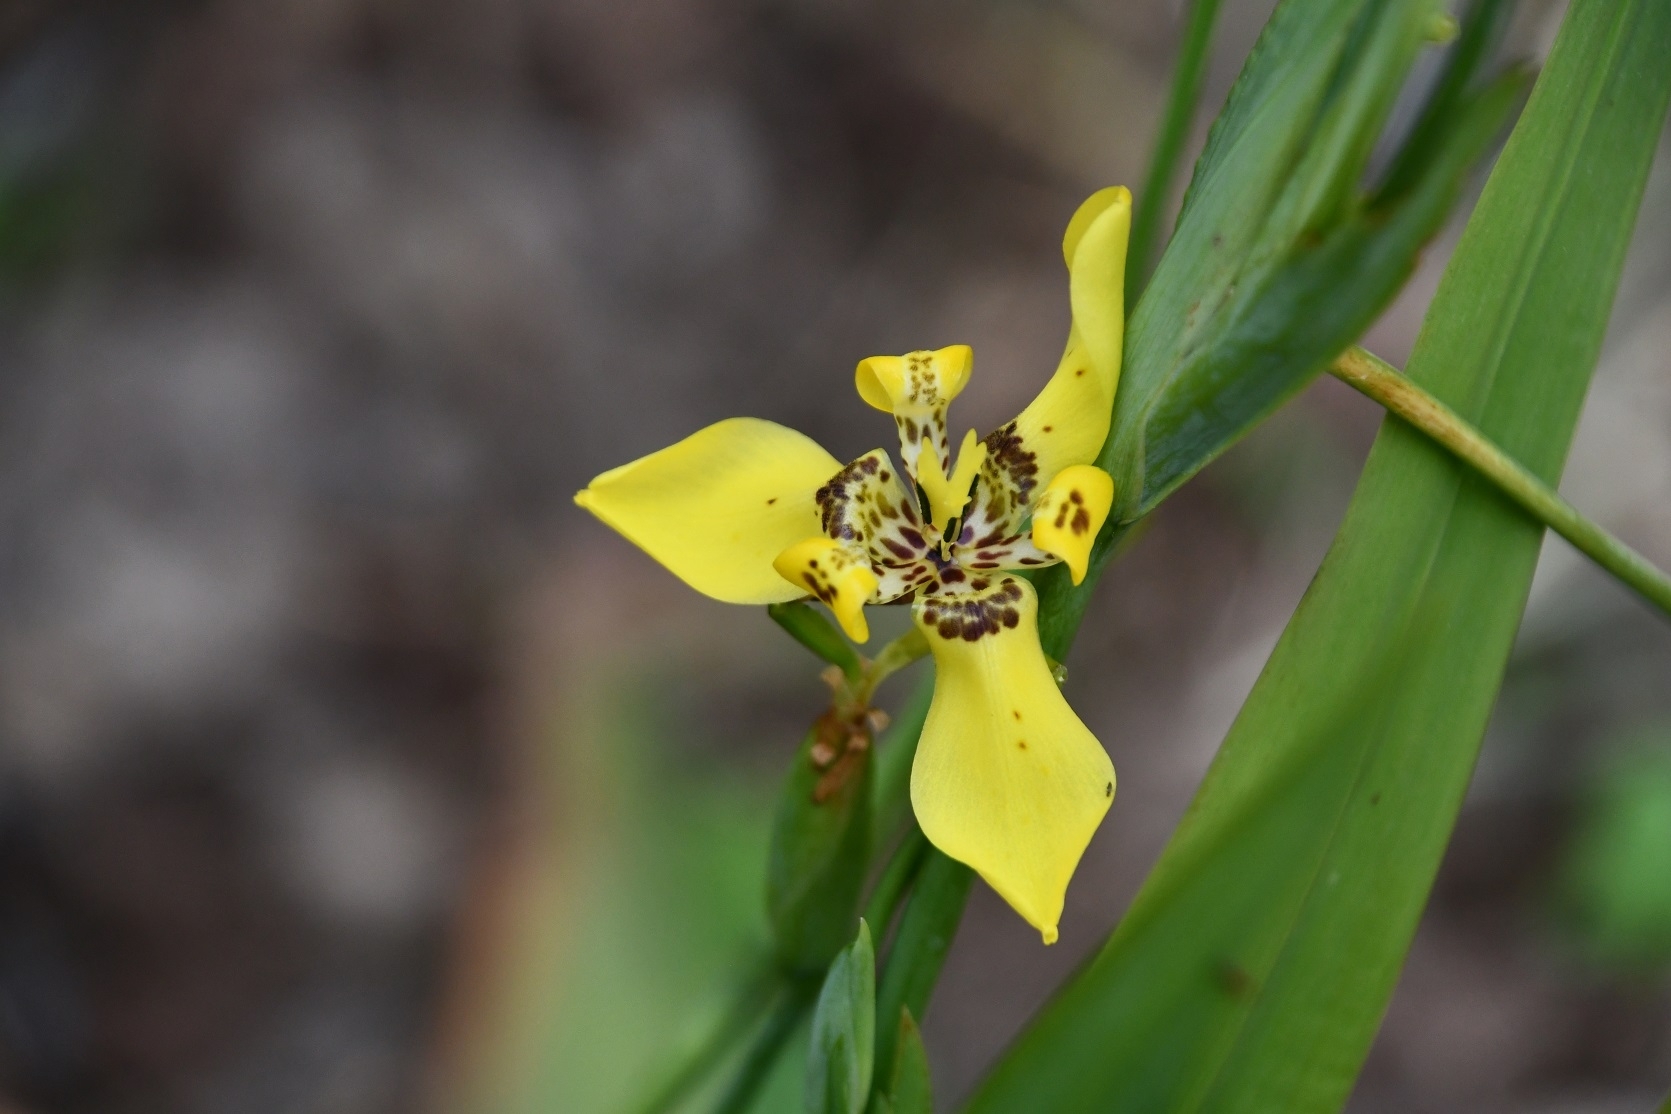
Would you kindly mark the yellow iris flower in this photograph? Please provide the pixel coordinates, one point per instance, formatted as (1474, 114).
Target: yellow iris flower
(1006, 778)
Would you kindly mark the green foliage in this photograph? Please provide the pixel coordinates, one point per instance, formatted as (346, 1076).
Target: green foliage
(895, 751)
(1184, 93)
(820, 849)
(812, 628)
(910, 1091)
(1253, 969)
(919, 950)
(1615, 877)
(838, 1069)
(649, 855)
(1281, 257)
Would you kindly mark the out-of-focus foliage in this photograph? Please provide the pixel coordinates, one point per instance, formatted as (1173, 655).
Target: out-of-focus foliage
(1615, 877)
(652, 857)
(1253, 969)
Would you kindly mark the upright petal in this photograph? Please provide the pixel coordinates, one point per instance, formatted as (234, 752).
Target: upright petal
(916, 388)
(719, 506)
(1068, 421)
(1006, 778)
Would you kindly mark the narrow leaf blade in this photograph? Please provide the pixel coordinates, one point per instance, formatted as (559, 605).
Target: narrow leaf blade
(911, 1091)
(1254, 967)
(841, 1053)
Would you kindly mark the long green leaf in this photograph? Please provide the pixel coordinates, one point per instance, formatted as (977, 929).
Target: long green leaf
(1253, 969)
(925, 936)
(1184, 93)
(1281, 257)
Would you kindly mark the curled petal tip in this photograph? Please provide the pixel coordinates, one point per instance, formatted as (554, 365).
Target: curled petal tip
(1070, 512)
(876, 380)
(839, 577)
(915, 382)
(1110, 197)
(1049, 934)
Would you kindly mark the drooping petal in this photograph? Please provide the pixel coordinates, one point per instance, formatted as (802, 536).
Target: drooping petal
(719, 506)
(1070, 512)
(839, 575)
(916, 388)
(1006, 777)
(1068, 421)
(867, 505)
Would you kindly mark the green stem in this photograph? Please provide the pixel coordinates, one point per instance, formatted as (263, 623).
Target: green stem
(895, 656)
(754, 996)
(919, 951)
(808, 626)
(1181, 100)
(1384, 383)
(896, 878)
(895, 752)
(793, 1002)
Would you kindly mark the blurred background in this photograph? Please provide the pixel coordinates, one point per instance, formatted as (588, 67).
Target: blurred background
(346, 766)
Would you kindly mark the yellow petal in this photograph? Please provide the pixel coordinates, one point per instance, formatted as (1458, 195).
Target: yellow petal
(926, 379)
(866, 506)
(1006, 777)
(1070, 512)
(1068, 421)
(916, 388)
(948, 497)
(717, 507)
(838, 575)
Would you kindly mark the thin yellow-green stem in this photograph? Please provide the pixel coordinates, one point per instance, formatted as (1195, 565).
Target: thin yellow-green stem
(1385, 384)
(895, 656)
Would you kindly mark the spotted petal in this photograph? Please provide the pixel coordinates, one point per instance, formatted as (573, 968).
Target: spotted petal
(916, 388)
(719, 506)
(1068, 421)
(1006, 777)
(868, 506)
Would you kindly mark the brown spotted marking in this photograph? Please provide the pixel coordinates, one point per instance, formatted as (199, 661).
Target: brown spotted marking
(974, 616)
